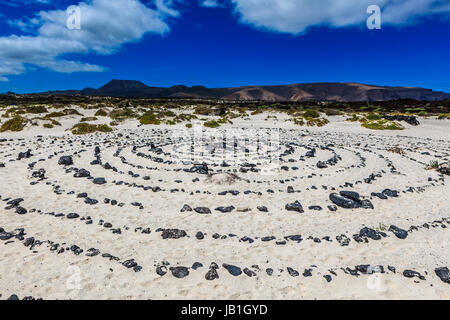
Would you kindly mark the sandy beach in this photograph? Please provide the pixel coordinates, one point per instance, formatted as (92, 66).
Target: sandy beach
(136, 224)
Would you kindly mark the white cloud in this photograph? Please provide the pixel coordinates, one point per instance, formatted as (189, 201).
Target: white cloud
(295, 16)
(105, 26)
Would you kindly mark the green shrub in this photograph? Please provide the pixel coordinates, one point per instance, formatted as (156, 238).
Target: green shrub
(55, 115)
(124, 113)
(186, 117)
(224, 121)
(311, 113)
(203, 110)
(101, 113)
(55, 123)
(189, 125)
(317, 122)
(211, 124)
(68, 112)
(15, 124)
(373, 116)
(48, 125)
(149, 118)
(169, 113)
(434, 164)
(382, 125)
(86, 119)
(36, 109)
(86, 128)
(332, 112)
(299, 121)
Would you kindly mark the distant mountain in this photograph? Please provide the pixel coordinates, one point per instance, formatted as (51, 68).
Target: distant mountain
(344, 92)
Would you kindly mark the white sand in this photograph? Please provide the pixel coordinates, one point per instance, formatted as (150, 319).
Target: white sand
(44, 273)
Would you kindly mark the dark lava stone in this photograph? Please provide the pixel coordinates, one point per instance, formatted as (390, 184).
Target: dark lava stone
(72, 216)
(249, 272)
(343, 202)
(379, 195)
(82, 173)
(199, 235)
(202, 210)
(173, 234)
(196, 265)
(15, 202)
(350, 195)
(92, 252)
(233, 270)
(307, 273)
(399, 233)
(392, 269)
(28, 242)
(179, 272)
(129, 263)
(212, 274)
(186, 208)
(65, 160)
(369, 233)
(296, 206)
(390, 193)
(21, 210)
(225, 209)
(411, 274)
(262, 208)
(161, 270)
(443, 274)
(297, 238)
(292, 272)
(366, 204)
(99, 181)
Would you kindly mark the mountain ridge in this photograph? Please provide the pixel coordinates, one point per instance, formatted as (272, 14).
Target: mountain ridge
(320, 91)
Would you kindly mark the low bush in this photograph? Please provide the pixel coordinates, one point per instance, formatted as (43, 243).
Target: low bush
(382, 125)
(86, 119)
(211, 124)
(15, 124)
(149, 118)
(101, 113)
(86, 128)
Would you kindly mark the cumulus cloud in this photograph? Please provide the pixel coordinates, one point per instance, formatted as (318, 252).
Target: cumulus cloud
(105, 26)
(295, 16)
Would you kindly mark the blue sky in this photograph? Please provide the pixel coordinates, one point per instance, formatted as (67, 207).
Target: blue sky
(221, 43)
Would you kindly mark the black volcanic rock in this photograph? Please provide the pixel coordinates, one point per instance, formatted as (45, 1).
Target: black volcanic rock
(443, 274)
(65, 160)
(296, 206)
